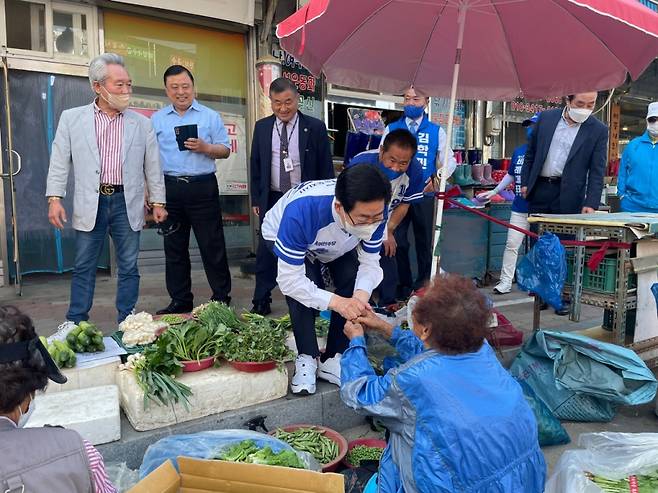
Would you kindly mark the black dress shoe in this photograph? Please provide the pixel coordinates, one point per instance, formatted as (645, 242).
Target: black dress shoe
(175, 307)
(565, 310)
(226, 301)
(262, 308)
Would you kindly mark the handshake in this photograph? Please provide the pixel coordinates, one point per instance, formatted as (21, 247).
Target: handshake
(358, 315)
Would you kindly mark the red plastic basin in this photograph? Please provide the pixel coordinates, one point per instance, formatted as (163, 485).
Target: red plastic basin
(253, 366)
(329, 433)
(190, 366)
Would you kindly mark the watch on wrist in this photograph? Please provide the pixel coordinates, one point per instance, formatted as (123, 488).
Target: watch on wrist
(157, 204)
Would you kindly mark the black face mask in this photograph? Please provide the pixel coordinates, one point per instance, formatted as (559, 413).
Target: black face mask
(18, 351)
(167, 227)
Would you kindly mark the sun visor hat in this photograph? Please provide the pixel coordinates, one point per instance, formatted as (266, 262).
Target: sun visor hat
(18, 351)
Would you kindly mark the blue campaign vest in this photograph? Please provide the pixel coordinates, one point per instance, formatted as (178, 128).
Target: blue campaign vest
(427, 137)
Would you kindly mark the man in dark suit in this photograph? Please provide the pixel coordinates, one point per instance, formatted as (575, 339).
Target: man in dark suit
(288, 148)
(566, 158)
(565, 161)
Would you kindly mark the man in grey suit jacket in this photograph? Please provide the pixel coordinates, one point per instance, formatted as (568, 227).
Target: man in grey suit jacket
(115, 159)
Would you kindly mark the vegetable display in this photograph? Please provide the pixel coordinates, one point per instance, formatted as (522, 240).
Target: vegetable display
(140, 329)
(363, 452)
(85, 338)
(248, 451)
(172, 319)
(192, 341)
(321, 324)
(633, 484)
(60, 352)
(311, 440)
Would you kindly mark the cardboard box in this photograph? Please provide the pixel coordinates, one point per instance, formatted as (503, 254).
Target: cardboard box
(216, 476)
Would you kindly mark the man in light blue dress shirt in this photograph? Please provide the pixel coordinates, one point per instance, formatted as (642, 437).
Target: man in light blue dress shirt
(191, 137)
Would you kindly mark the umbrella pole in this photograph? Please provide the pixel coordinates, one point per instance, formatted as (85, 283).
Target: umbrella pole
(438, 205)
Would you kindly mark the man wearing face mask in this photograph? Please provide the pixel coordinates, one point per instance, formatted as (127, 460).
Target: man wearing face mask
(637, 184)
(431, 142)
(48, 459)
(114, 155)
(565, 162)
(395, 158)
(338, 223)
(566, 158)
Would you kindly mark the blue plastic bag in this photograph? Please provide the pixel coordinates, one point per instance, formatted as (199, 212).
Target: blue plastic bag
(582, 379)
(205, 444)
(549, 429)
(544, 269)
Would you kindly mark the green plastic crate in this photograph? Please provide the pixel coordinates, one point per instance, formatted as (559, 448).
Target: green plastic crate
(603, 279)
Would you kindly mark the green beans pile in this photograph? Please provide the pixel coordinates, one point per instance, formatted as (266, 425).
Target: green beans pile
(363, 452)
(310, 440)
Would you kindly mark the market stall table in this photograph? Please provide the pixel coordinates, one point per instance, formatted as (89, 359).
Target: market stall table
(612, 286)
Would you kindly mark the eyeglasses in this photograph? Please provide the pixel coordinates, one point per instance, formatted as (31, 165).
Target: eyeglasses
(652, 119)
(377, 219)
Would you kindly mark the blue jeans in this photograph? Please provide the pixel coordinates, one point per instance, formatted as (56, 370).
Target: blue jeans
(112, 217)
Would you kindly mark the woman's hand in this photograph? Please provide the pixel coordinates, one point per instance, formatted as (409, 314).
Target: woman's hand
(370, 321)
(353, 330)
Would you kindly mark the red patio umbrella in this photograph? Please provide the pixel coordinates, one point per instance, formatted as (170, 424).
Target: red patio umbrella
(497, 49)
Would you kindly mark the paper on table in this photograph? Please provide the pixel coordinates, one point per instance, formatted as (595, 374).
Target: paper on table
(89, 360)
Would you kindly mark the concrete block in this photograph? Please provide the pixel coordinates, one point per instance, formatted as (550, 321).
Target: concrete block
(214, 391)
(84, 378)
(93, 412)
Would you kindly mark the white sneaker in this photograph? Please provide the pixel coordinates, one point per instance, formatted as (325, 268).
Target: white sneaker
(306, 368)
(502, 289)
(62, 331)
(330, 370)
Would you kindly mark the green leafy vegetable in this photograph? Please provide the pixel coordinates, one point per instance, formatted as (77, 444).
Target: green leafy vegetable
(192, 341)
(256, 341)
(248, 451)
(632, 484)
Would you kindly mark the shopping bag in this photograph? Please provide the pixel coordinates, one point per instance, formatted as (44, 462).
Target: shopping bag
(612, 456)
(549, 429)
(544, 269)
(582, 379)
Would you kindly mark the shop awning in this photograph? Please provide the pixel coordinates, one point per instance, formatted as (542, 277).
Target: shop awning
(241, 12)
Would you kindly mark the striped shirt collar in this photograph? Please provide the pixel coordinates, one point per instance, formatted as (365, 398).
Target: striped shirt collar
(97, 110)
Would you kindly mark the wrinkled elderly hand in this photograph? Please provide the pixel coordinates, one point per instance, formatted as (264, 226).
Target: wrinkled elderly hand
(57, 214)
(349, 308)
(352, 330)
(370, 321)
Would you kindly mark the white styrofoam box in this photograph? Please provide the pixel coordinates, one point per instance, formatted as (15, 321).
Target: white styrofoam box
(83, 378)
(214, 390)
(93, 412)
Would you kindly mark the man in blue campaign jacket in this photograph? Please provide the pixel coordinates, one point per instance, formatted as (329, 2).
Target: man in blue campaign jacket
(338, 223)
(395, 158)
(637, 183)
(431, 140)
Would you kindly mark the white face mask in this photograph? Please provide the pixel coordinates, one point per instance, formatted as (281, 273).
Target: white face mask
(653, 128)
(579, 115)
(24, 417)
(363, 232)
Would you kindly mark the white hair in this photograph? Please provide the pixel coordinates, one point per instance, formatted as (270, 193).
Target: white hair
(98, 66)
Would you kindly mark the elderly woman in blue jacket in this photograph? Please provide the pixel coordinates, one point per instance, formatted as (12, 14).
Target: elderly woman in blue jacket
(637, 183)
(457, 420)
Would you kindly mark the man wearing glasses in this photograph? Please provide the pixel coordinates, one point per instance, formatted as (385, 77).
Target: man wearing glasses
(637, 184)
(338, 223)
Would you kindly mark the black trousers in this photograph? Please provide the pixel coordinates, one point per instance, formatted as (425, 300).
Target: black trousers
(266, 261)
(421, 217)
(388, 289)
(545, 198)
(195, 205)
(343, 272)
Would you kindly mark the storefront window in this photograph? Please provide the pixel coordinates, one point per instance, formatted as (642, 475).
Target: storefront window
(70, 34)
(218, 61)
(26, 25)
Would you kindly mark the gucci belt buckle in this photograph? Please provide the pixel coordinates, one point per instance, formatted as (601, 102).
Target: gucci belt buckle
(107, 189)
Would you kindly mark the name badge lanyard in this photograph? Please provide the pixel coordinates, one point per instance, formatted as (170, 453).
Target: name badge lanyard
(287, 160)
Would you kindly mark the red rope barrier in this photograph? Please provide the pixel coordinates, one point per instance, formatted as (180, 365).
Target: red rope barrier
(594, 260)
